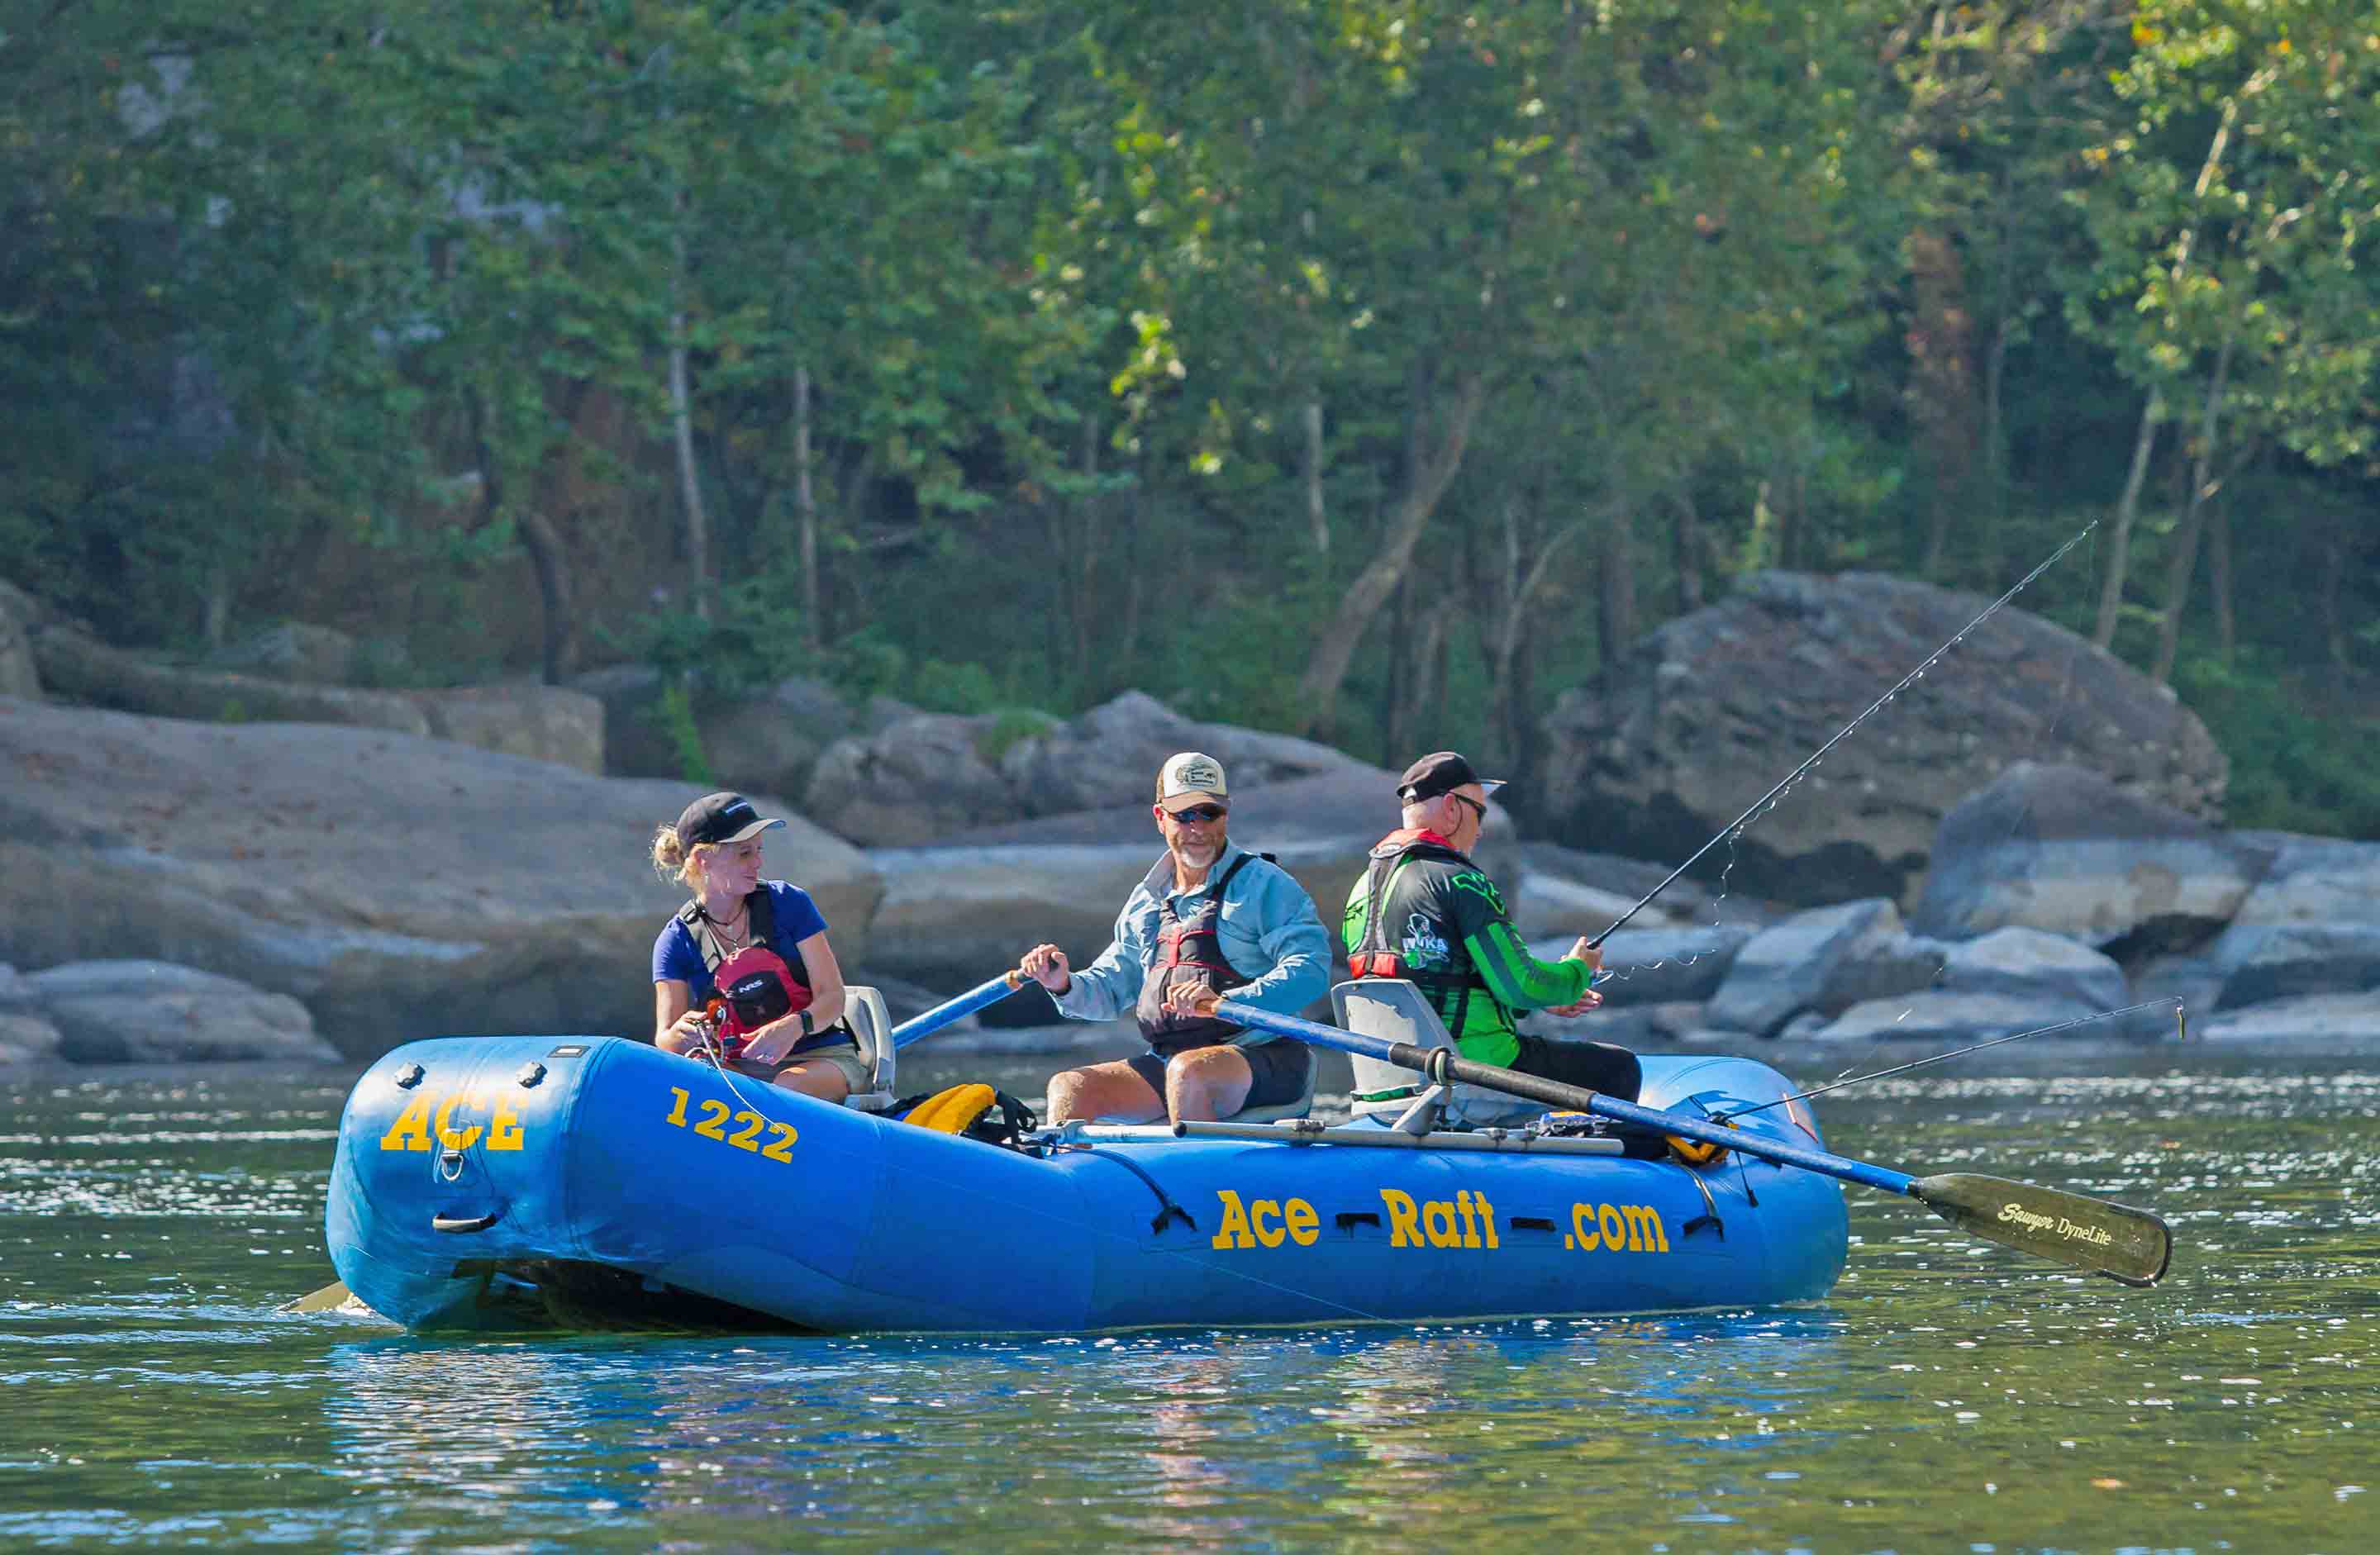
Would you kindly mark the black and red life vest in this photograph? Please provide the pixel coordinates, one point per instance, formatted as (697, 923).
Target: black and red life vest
(1390, 902)
(759, 983)
(1189, 952)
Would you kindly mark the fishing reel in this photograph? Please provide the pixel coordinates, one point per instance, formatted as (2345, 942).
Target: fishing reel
(716, 1044)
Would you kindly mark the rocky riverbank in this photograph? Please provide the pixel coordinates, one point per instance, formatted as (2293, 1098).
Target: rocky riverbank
(336, 871)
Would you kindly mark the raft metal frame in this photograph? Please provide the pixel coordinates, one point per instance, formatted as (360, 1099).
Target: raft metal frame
(1305, 1131)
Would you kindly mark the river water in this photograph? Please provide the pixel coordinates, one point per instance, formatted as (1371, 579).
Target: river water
(1951, 1395)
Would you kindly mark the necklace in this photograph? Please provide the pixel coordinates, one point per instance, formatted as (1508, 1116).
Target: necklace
(734, 938)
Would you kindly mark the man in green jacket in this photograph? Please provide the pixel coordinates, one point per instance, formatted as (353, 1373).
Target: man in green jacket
(1425, 912)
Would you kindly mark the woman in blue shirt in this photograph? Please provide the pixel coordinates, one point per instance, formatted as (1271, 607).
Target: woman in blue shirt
(714, 850)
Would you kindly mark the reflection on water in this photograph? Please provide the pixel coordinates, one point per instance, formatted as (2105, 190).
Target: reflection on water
(1949, 1395)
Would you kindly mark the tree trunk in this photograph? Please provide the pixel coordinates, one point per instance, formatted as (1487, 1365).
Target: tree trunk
(1615, 593)
(2111, 588)
(2184, 564)
(2218, 562)
(549, 558)
(805, 509)
(2128, 506)
(1325, 667)
(1315, 514)
(689, 483)
(2326, 581)
(1688, 555)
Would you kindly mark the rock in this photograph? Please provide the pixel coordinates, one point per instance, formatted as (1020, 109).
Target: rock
(25, 1038)
(294, 650)
(2311, 880)
(1711, 709)
(1944, 1018)
(19, 613)
(2032, 963)
(2066, 850)
(1643, 1027)
(934, 778)
(542, 723)
(2264, 960)
(1826, 957)
(1682, 964)
(2188, 981)
(1543, 905)
(763, 742)
(923, 777)
(400, 887)
(953, 916)
(78, 667)
(150, 1011)
(1114, 750)
(2316, 1016)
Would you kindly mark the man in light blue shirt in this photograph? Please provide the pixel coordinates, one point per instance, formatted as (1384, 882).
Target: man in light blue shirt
(1211, 918)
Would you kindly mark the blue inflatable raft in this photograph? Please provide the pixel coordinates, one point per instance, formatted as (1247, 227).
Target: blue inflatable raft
(483, 1180)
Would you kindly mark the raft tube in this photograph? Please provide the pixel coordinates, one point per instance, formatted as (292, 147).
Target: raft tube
(477, 1177)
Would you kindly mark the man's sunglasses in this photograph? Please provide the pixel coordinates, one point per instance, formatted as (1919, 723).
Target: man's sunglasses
(1201, 814)
(1477, 808)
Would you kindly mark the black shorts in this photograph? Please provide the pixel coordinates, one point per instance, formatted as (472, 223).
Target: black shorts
(1280, 1070)
(1597, 1065)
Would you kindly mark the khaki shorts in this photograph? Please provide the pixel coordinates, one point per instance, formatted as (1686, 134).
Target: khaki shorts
(843, 1057)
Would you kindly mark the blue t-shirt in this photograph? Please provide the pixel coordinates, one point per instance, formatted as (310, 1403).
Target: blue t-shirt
(677, 958)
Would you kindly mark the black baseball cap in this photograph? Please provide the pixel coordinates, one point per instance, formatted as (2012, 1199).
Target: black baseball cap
(720, 817)
(1441, 771)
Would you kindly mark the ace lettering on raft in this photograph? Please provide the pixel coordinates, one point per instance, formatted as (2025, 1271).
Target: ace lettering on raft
(1466, 1221)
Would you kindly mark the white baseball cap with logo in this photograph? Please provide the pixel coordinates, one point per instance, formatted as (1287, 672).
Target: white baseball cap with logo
(1190, 775)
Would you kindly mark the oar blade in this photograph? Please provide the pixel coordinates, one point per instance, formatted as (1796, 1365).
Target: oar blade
(2115, 1240)
(329, 1298)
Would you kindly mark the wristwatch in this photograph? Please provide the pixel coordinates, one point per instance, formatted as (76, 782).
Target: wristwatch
(808, 1029)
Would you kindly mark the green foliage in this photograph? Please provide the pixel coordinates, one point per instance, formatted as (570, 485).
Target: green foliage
(673, 714)
(2290, 771)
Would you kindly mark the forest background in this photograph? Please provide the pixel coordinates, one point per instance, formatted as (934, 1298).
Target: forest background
(1373, 369)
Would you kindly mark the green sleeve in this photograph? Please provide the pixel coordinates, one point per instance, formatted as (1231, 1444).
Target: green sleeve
(1518, 980)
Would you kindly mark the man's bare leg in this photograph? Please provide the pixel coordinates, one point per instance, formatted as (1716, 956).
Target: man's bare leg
(1104, 1090)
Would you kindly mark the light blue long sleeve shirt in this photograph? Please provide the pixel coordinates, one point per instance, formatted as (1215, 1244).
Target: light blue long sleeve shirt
(1268, 922)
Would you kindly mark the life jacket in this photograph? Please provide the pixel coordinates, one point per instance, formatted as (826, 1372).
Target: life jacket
(1448, 988)
(757, 984)
(1189, 952)
(975, 1111)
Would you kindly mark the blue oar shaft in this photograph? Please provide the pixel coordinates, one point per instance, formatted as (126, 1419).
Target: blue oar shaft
(957, 1009)
(1437, 1063)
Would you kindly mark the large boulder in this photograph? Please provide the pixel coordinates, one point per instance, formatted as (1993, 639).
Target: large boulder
(2264, 960)
(766, 741)
(2066, 850)
(2030, 964)
(2324, 1017)
(1826, 959)
(1941, 1016)
(955, 916)
(1704, 712)
(293, 651)
(149, 1012)
(19, 675)
(400, 887)
(26, 1035)
(544, 723)
(921, 778)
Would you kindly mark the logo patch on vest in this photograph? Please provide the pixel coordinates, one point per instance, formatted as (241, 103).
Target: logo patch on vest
(1423, 947)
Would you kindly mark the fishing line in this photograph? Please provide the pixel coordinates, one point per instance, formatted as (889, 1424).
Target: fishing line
(1976, 1047)
(1767, 801)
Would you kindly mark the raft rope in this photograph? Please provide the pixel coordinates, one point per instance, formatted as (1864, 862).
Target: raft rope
(1767, 802)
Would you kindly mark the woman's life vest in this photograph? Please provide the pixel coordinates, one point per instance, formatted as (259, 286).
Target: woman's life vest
(1189, 952)
(757, 984)
(1444, 974)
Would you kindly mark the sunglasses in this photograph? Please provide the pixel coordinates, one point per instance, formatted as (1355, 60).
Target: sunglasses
(1477, 808)
(1199, 814)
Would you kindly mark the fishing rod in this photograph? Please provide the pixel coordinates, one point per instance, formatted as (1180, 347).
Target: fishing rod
(1733, 827)
(1972, 1047)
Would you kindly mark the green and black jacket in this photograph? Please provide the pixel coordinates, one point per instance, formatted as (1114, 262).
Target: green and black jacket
(1426, 913)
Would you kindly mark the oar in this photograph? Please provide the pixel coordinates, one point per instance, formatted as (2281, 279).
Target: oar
(334, 1295)
(951, 1010)
(2124, 1244)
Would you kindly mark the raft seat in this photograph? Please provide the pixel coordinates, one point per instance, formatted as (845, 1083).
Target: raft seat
(1394, 1009)
(1282, 1111)
(871, 1027)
